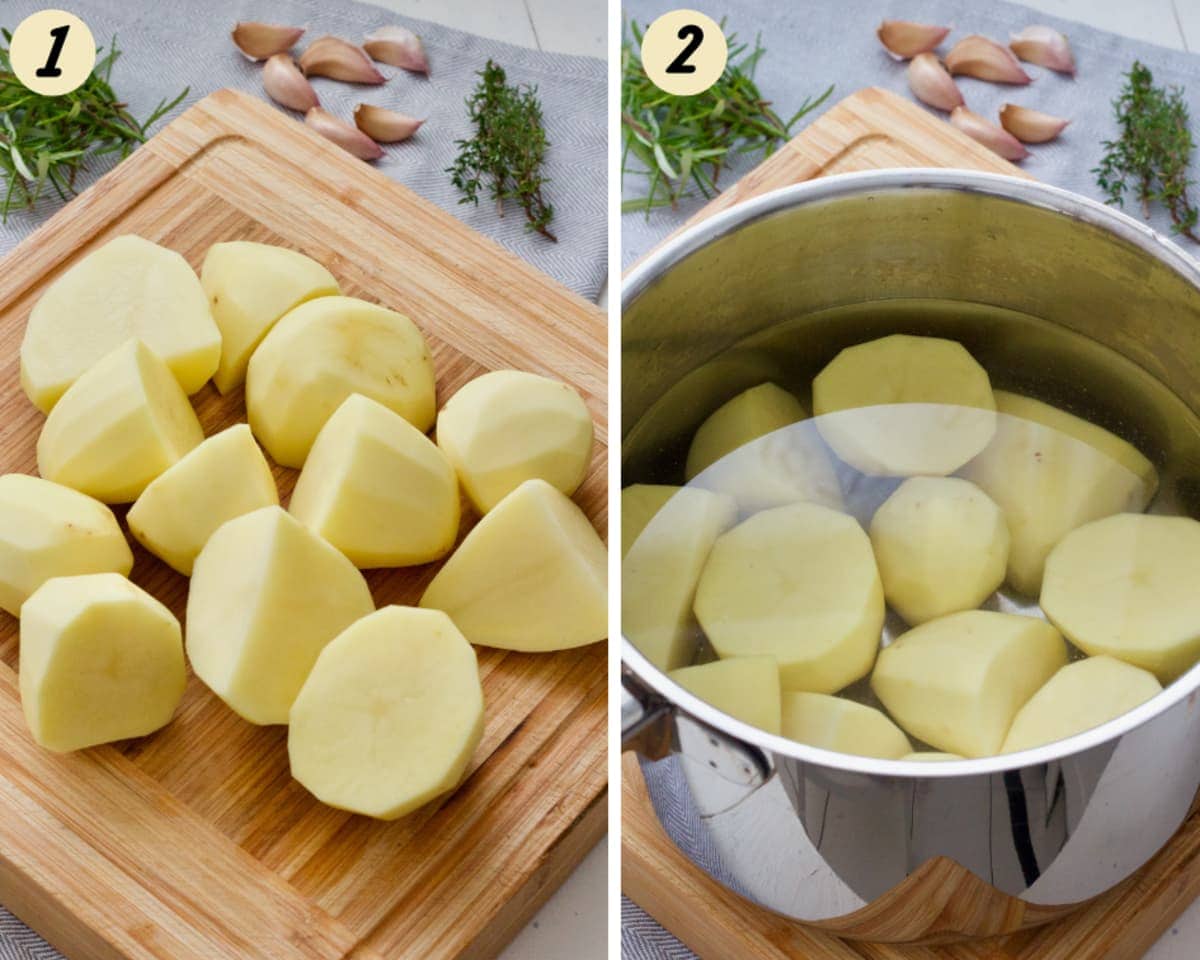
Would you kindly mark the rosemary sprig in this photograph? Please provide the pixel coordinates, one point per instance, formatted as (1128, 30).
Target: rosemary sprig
(1154, 151)
(507, 150)
(680, 140)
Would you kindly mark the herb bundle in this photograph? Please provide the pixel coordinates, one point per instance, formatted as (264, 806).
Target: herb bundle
(1154, 151)
(508, 149)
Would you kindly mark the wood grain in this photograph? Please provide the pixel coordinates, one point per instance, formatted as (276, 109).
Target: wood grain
(195, 842)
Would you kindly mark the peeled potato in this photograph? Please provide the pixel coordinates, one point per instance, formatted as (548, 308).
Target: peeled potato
(660, 572)
(639, 503)
(389, 716)
(922, 406)
(930, 756)
(751, 414)
(377, 488)
(319, 354)
(835, 723)
(249, 286)
(1051, 472)
(508, 426)
(1126, 586)
(101, 660)
(531, 575)
(47, 530)
(266, 596)
(746, 688)
(1080, 696)
(798, 583)
(128, 288)
(958, 681)
(942, 546)
(119, 426)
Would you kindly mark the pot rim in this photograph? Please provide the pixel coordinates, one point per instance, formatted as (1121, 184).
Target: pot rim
(1054, 199)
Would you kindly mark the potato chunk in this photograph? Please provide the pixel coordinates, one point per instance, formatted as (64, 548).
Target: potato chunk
(101, 660)
(128, 288)
(751, 414)
(47, 530)
(224, 477)
(798, 583)
(639, 503)
(1051, 472)
(746, 688)
(250, 286)
(118, 427)
(661, 570)
(958, 681)
(390, 715)
(1080, 696)
(923, 406)
(835, 723)
(1126, 586)
(532, 575)
(508, 426)
(377, 488)
(930, 756)
(319, 354)
(266, 596)
(942, 546)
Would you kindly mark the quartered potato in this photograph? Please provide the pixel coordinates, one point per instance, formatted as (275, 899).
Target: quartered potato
(746, 688)
(128, 288)
(751, 414)
(639, 503)
(1126, 586)
(48, 530)
(835, 723)
(930, 756)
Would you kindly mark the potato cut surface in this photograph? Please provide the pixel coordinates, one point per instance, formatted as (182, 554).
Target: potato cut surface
(266, 596)
(923, 406)
(835, 723)
(751, 414)
(48, 530)
(942, 546)
(639, 503)
(1080, 696)
(390, 715)
(1126, 586)
(660, 572)
(320, 353)
(224, 477)
(377, 488)
(128, 288)
(798, 583)
(743, 687)
(120, 425)
(101, 660)
(250, 286)
(508, 426)
(957, 682)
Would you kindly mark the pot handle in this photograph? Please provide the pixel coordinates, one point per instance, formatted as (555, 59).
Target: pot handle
(645, 719)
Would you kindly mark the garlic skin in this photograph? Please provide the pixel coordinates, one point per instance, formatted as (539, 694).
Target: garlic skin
(385, 126)
(995, 138)
(397, 47)
(286, 85)
(339, 59)
(931, 84)
(905, 39)
(349, 138)
(1044, 46)
(260, 41)
(984, 59)
(1031, 126)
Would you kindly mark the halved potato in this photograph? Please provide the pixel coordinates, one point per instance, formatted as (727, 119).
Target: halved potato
(639, 503)
(746, 688)
(835, 723)
(128, 288)
(751, 414)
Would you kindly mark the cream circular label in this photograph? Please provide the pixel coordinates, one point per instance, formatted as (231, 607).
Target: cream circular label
(52, 52)
(684, 52)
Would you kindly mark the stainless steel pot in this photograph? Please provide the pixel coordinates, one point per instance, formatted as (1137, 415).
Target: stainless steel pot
(894, 850)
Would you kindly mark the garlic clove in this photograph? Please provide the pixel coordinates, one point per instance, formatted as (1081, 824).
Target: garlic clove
(339, 59)
(349, 138)
(905, 39)
(1030, 126)
(985, 59)
(385, 126)
(397, 47)
(931, 84)
(258, 41)
(995, 138)
(286, 85)
(1044, 46)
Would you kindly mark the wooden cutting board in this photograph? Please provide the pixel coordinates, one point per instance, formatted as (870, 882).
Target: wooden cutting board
(195, 843)
(874, 129)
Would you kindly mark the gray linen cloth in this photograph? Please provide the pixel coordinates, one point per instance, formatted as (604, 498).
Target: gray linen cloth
(818, 42)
